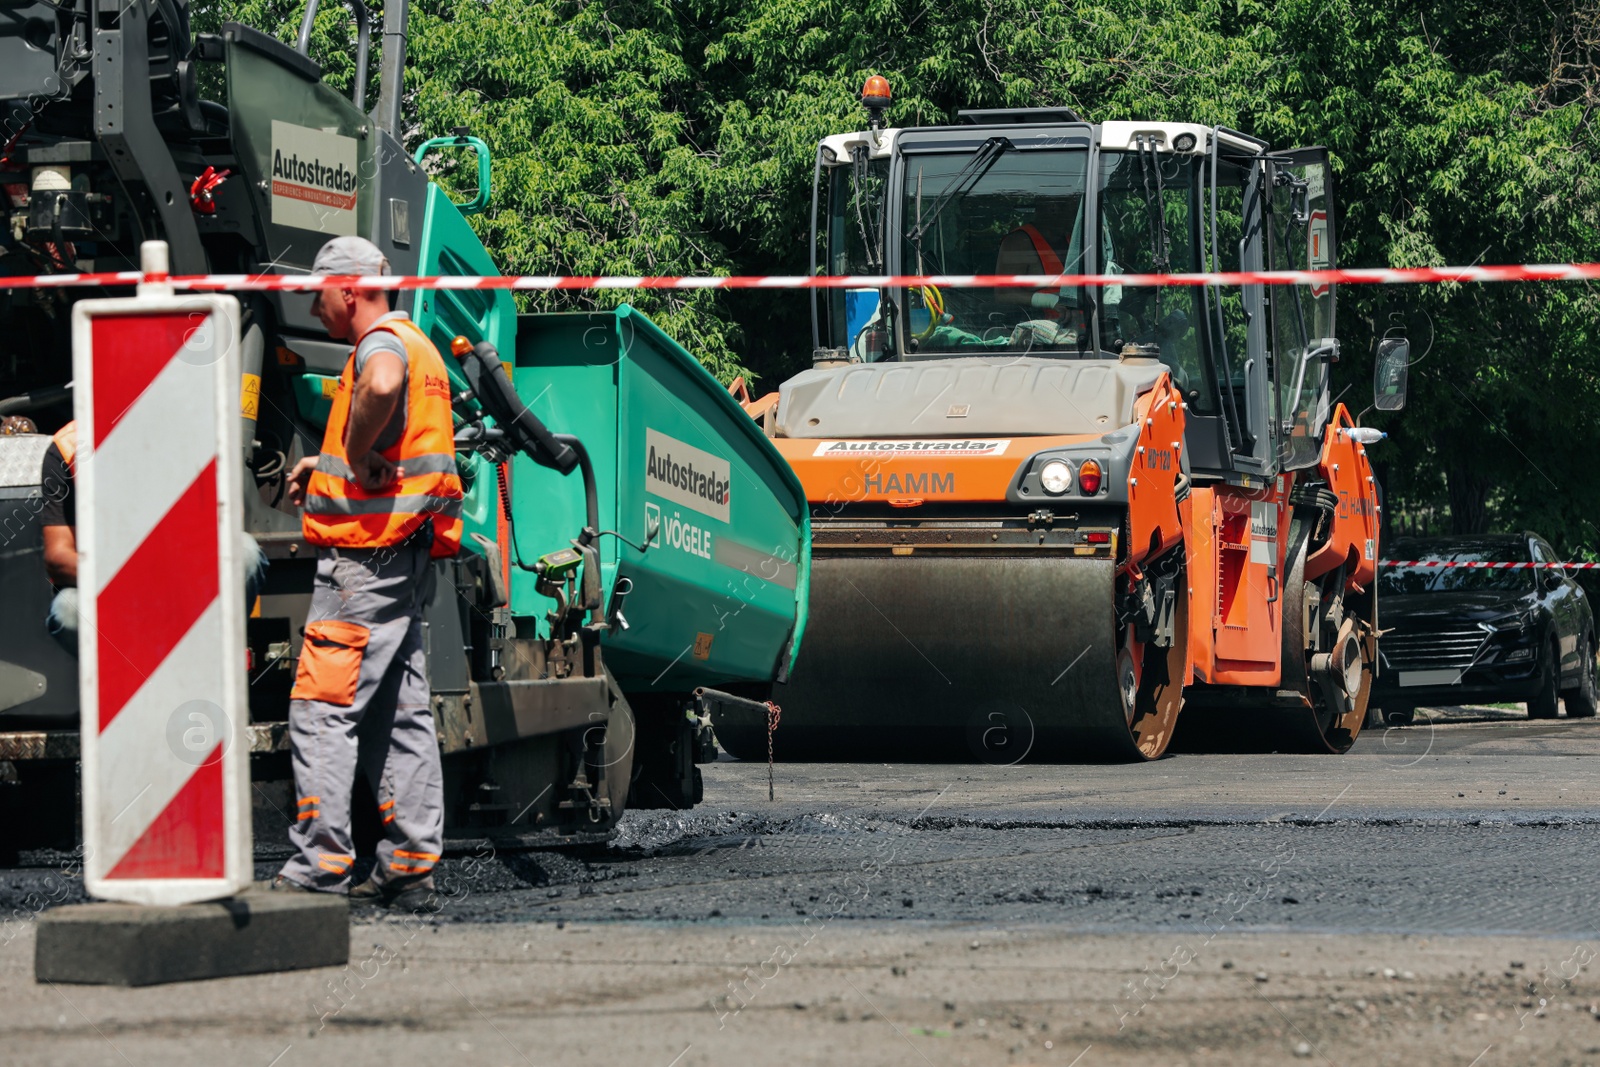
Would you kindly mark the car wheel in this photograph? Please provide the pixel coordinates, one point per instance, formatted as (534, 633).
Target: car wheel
(1545, 704)
(1583, 698)
(1399, 714)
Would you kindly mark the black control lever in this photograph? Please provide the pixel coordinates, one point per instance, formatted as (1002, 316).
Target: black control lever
(521, 429)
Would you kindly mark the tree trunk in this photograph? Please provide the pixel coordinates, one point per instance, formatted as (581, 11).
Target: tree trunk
(1468, 488)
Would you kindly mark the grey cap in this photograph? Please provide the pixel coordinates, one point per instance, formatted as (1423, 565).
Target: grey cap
(350, 255)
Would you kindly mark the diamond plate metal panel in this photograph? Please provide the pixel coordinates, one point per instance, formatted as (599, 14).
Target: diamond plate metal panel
(21, 457)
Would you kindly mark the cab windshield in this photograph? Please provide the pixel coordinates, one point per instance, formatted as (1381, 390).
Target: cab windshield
(1025, 213)
(1149, 209)
(1010, 212)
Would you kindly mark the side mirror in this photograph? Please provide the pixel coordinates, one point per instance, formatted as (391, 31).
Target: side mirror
(1389, 374)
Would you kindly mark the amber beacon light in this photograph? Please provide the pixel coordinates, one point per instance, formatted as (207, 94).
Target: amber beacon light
(876, 97)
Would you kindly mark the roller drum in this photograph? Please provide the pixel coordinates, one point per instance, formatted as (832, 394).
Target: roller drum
(977, 658)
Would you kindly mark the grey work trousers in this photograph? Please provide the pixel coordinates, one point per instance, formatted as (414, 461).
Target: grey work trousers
(361, 701)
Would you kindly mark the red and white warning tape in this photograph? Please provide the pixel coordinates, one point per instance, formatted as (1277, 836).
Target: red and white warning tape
(1484, 565)
(1549, 272)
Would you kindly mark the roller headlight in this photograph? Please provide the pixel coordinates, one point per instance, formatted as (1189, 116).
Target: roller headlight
(1055, 477)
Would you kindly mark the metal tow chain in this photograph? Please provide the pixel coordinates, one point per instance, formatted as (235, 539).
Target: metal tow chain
(773, 714)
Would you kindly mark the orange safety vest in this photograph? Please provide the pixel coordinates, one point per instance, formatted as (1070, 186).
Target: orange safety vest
(66, 442)
(1048, 260)
(341, 514)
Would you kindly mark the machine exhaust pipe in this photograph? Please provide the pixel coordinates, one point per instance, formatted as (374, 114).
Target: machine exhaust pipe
(358, 9)
(392, 66)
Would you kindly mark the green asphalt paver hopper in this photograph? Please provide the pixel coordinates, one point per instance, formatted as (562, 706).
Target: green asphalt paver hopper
(543, 649)
(667, 579)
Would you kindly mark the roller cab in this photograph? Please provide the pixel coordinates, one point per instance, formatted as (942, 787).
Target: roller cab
(1072, 522)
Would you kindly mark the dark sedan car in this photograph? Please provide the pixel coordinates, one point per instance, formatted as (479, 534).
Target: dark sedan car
(1459, 635)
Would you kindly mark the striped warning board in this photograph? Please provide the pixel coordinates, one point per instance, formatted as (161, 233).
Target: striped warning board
(161, 616)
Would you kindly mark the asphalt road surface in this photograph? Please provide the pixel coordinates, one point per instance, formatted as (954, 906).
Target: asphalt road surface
(1431, 897)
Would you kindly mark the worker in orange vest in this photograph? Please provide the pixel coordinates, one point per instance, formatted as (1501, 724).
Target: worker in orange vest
(1042, 246)
(58, 520)
(381, 502)
(1052, 244)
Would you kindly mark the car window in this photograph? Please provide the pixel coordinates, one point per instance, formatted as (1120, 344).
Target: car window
(1457, 579)
(1543, 553)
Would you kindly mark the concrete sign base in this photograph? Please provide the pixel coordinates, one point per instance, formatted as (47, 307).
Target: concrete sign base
(138, 944)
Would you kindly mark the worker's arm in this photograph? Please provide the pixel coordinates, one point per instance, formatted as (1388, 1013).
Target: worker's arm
(378, 390)
(61, 555)
(56, 518)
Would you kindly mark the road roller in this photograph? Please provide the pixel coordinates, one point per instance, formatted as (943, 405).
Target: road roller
(1073, 522)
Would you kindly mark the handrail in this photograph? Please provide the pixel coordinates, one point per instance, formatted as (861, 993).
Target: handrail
(460, 138)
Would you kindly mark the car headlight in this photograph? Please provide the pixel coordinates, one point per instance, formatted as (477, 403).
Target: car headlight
(1056, 477)
(1512, 624)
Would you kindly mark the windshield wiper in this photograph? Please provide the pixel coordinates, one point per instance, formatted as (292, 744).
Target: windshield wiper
(1298, 215)
(1156, 201)
(987, 155)
(858, 187)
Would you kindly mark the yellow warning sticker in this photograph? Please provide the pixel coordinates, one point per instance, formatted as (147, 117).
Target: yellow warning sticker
(702, 646)
(250, 396)
(330, 386)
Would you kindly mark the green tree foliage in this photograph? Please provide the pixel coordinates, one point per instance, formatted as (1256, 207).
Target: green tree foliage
(642, 136)
(588, 111)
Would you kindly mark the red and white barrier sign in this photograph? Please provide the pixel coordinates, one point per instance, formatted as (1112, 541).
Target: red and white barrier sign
(166, 811)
